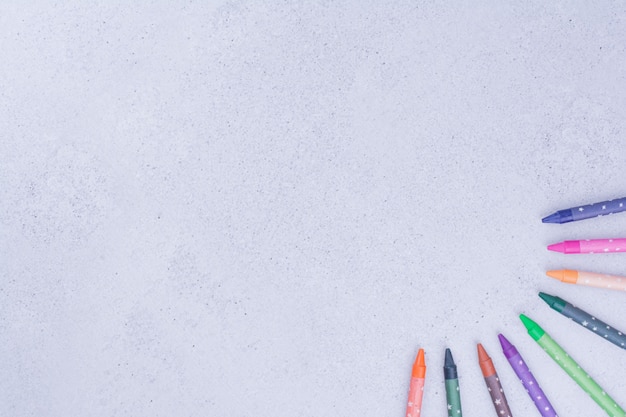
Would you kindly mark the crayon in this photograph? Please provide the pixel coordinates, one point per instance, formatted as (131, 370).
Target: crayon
(416, 389)
(586, 212)
(586, 320)
(590, 246)
(493, 383)
(611, 282)
(528, 380)
(453, 392)
(574, 370)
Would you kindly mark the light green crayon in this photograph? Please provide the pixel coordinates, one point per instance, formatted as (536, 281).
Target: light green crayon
(574, 370)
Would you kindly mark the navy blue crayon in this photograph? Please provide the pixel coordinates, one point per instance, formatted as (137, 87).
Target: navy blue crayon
(585, 212)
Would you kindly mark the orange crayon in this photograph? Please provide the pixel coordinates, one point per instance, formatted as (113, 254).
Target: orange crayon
(569, 276)
(416, 389)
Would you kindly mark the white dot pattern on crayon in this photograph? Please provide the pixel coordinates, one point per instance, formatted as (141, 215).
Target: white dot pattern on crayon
(497, 395)
(577, 375)
(612, 282)
(414, 403)
(452, 412)
(454, 409)
(537, 400)
(595, 247)
(615, 207)
(606, 334)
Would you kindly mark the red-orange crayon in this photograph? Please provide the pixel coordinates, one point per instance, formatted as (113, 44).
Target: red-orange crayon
(416, 389)
(493, 383)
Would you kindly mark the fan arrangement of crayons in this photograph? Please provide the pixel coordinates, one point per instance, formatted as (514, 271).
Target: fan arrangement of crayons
(552, 348)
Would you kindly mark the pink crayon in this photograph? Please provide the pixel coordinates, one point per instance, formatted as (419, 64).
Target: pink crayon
(590, 246)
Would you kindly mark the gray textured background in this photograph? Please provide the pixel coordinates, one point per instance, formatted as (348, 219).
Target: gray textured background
(265, 209)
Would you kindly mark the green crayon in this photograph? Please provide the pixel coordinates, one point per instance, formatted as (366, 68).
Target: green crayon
(453, 394)
(574, 370)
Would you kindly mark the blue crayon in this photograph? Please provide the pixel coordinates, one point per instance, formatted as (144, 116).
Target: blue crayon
(585, 212)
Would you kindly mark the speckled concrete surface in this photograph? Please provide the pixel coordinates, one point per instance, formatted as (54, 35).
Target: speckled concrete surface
(265, 209)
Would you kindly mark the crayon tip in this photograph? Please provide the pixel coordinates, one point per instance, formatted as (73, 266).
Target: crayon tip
(557, 247)
(485, 362)
(553, 218)
(482, 353)
(507, 347)
(555, 303)
(534, 330)
(559, 217)
(556, 274)
(419, 366)
(528, 323)
(420, 358)
(504, 342)
(550, 300)
(449, 361)
(449, 368)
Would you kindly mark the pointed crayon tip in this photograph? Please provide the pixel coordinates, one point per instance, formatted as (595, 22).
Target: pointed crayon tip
(419, 366)
(557, 247)
(534, 330)
(507, 347)
(528, 323)
(553, 218)
(420, 357)
(555, 303)
(482, 353)
(550, 300)
(504, 342)
(449, 361)
(556, 274)
(485, 362)
(449, 367)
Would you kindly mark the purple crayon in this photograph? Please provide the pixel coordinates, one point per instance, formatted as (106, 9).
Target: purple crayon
(528, 380)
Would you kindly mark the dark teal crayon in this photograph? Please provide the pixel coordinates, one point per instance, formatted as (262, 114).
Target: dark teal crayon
(586, 320)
